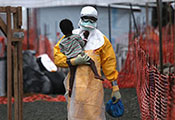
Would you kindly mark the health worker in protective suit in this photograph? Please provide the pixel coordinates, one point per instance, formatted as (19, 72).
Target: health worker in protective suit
(86, 101)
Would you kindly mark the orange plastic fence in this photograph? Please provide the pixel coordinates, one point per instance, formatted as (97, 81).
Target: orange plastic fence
(149, 42)
(37, 97)
(155, 91)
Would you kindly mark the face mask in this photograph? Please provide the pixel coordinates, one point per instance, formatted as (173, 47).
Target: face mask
(87, 25)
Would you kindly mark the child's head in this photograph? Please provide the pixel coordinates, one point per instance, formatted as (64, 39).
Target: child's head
(66, 26)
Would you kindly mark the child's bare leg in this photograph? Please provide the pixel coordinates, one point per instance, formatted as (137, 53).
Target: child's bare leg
(72, 77)
(94, 69)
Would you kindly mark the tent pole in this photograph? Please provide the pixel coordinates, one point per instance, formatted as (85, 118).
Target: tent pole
(109, 21)
(159, 12)
(28, 29)
(130, 26)
(135, 24)
(174, 37)
(147, 19)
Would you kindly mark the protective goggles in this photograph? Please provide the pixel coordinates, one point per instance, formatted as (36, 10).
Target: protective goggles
(90, 19)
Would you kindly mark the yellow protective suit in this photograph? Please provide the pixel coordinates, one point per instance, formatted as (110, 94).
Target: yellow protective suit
(86, 102)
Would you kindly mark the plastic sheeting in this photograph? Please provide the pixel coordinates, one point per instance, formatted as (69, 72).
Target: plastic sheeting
(47, 3)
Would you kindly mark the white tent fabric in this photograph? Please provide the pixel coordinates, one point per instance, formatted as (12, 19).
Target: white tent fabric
(48, 3)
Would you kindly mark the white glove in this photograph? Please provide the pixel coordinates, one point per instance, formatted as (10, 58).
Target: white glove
(80, 59)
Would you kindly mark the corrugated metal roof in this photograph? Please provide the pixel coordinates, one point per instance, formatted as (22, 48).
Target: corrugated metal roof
(48, 3)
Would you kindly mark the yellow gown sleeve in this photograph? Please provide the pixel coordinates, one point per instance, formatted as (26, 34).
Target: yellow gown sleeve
(59, 58)
(108, 60)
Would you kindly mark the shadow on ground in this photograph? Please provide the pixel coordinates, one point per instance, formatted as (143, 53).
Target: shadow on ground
(41, 110)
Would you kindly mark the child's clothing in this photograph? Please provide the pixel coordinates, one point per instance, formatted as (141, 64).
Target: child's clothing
(72, 46)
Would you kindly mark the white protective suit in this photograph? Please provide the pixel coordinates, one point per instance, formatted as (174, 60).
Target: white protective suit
(86, 102)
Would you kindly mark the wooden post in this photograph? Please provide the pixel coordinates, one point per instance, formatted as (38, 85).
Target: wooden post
(20, 65)
(3, 27)
(14, 41)
(17, 53)
(20, 73)
(9, 64)
(15, 72)
(16, 89)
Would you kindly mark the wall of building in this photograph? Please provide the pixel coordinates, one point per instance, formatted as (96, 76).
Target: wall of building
(49, 18)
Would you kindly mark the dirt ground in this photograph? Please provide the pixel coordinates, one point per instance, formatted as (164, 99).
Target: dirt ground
(41, 110)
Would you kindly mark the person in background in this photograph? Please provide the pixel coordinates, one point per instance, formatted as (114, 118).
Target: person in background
(87, 99)
(73, 45)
